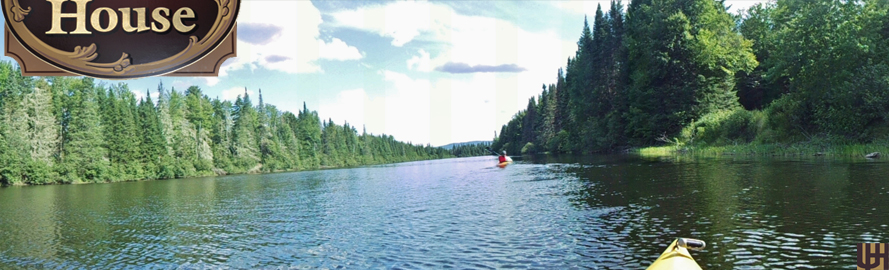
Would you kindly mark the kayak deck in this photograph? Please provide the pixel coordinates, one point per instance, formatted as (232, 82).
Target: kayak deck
(675, 257)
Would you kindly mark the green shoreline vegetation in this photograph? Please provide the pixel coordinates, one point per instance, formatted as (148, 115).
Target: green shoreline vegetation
(783, 78)
(768, 150)
(70, 130)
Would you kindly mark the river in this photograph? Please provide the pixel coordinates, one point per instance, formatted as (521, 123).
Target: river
(597, 212)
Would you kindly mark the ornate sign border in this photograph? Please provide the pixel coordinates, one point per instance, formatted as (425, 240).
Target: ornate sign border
(80, 60)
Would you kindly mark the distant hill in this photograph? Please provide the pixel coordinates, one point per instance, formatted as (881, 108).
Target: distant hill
(451, 146)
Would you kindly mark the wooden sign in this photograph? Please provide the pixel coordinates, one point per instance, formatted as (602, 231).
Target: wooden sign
(114, 39)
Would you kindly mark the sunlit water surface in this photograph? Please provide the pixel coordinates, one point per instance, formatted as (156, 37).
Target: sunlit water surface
(603, 212)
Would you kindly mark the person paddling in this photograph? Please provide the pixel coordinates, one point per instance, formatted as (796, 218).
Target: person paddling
(502, 157)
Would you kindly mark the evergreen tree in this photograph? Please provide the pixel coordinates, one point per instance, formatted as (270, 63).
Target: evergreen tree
(682, 63)
(198, 112)
(122, 141)
(42, 132)
(154, 146)
(308, 130)
(85, 155)
(245, 151)
(223, 124)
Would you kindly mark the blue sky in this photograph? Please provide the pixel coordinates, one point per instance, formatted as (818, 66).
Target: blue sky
(423, 71)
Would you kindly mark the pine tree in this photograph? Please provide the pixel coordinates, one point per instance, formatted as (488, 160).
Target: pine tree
(121, 132)
(154, 146)
(185, 137)
(222, 147)
(198, 112)
(19, 111)
(246, 153)
(308, 130)
(163, 112)
(85, 154)
(42, 128)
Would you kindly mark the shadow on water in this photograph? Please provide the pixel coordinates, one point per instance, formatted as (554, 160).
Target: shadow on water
(755, 213)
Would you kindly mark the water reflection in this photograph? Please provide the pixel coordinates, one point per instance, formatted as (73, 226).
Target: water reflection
(541, 212)
(756, 214)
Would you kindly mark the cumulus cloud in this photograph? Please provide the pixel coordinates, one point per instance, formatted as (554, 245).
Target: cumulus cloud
(587, 7)
(348, 107)
(408, 114)
(140, 95)
(338, 50)
(438, 111)
(404, 111)
(212, 81)
(505, 65)
(420, 62)
(451, 67)
(234, 92)
(283, 36)
(402, 21)
(180, 85)
(469, 44)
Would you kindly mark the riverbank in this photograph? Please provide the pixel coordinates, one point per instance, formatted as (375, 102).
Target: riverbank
(775, 149)
(256, 170)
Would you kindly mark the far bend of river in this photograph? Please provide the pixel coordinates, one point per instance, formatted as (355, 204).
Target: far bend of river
(600, 212)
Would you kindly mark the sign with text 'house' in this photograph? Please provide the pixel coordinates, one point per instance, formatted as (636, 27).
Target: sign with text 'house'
(120, 39)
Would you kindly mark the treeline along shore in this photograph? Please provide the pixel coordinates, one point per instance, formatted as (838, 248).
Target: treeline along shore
(810, 75)
(57, 130)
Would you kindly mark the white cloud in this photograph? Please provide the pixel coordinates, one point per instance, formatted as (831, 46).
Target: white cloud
(424, 111)
(348, 107)
(420, 62)
(180, 85)
(141, 95)
(234, 92)
(470, 40)
(403, 111)
(587, 7)
(212, 81)
(402, 21)
(338, 50)
(406, 105)
(283, 36)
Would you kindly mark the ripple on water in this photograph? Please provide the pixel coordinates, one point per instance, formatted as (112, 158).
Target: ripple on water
(461, 213)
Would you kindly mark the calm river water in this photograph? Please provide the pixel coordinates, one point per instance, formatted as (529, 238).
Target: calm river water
(605, 212)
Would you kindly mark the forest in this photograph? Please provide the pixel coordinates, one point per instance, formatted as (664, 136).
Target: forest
(74, 130)
(688, 72)
(472, 149)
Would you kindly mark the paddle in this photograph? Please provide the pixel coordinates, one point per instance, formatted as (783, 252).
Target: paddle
(492, 151)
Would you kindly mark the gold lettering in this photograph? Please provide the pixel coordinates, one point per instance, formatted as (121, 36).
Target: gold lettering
(125, 18)
(140, 20)
(162, 19)
(183, 13)
(112, 19)
(57, 16)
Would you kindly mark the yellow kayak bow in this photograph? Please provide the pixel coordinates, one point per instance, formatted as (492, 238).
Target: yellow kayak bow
(677, 257)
